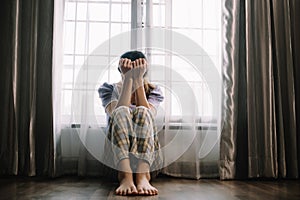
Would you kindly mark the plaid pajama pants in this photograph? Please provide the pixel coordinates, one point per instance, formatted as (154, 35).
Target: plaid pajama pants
(132, 134)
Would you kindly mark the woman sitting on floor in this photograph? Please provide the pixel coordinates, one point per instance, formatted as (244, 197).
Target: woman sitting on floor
(132, 142)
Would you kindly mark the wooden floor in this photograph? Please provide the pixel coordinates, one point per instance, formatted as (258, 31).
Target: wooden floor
(68, 188)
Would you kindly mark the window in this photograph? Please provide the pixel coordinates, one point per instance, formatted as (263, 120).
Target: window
(198, 20)
(88, 23)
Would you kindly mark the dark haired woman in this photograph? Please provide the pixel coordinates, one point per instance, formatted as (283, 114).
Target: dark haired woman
(132, 143)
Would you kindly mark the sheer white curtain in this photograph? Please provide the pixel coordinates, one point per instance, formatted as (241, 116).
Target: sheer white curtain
(191, 79)
(80, 27)
(89, 38)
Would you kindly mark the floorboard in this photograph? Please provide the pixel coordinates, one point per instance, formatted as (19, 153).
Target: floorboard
(66, 188)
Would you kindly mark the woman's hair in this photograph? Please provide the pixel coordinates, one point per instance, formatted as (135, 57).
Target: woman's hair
(133, 55)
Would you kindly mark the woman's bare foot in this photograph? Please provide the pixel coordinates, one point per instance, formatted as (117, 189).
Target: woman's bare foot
(125, 177)
(127, 186)
(143, 177)
(143, 185)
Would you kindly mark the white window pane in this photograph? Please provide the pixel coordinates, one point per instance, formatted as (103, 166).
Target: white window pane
(120, 1)
(211, 64)
(94, 60)
(68, 60)
(66, 102)
(98, 11)
(98, 33)
(159, 1)
(159, 15)
(187, 14)
(99, 109)
(196, 67)
(114, 74)
(157, 68)
(67, 75)
(114, 63)
(214, 61)
(182, 106)
(126, 12)
(179, 14)
(121, 12)
(184, 71)
(81, 11)
(116, 29)
(67, 86)
(210, 42)
(70, 10)
(176, 109)
(207, 102)
(103, 78)
(158, 59)
(77, 69)
(79, 60)
(198, 91)
(203, 98)
(211, 13)
(80, 38)
(116, 12)
(69, 32)
(194, 35)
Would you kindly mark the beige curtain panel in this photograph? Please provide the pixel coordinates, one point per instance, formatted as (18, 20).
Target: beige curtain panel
(260, 135)
(26, 137)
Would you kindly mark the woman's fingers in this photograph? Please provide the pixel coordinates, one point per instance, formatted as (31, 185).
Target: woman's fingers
(141, 62)
(134, 64)
(125, 65)
(139, 68)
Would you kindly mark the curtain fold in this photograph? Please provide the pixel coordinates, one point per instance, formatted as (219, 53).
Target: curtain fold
(295, 5)
(26, 97)
(260, 76)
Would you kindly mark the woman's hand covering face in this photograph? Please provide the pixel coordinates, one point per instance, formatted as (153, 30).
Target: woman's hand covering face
(134, 69)
(125, 65)
(139, 68)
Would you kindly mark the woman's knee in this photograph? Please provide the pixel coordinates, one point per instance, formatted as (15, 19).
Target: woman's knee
(121, 119)
(121, 109)
(143, 112)
(121, 112)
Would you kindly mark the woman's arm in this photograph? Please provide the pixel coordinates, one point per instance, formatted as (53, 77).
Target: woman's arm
(140, 68)
(140, 94)
(125, 96)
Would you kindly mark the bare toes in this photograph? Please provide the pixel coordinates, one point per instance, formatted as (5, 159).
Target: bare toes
(154, 191)
(133, 190)
(146, 191)
(118, 191)
(150, 192)
(141, 191)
